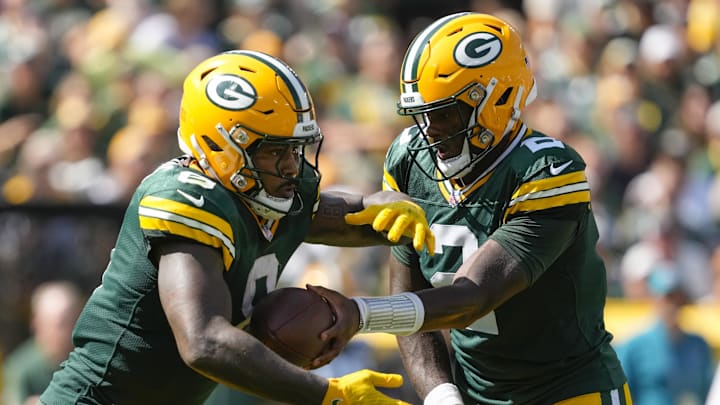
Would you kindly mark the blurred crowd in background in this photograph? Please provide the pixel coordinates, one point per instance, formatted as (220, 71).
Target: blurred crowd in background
(89, 95)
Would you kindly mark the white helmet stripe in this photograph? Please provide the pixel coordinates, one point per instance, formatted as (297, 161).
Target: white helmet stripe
(299, 93)
(412, 57)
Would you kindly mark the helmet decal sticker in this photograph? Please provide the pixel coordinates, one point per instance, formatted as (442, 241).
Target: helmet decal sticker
(477, 50)
(231, 92)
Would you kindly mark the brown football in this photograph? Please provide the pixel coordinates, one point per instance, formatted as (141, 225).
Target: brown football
(289, 321)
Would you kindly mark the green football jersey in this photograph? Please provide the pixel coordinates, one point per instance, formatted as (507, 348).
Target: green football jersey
(125, 352)
(548, 342)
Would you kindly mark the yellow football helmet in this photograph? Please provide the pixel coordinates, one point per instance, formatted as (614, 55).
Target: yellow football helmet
(237, 100)
(474, 59)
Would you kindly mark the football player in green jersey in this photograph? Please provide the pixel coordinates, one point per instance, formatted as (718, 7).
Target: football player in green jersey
(207, 235)
(517, 280)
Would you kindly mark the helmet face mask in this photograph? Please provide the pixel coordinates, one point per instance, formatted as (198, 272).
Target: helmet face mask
(270, 159)
(469, 59)
(451, 136)
(239, 102)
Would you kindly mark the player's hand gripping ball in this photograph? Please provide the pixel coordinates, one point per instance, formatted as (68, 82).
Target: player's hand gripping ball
(289, 321)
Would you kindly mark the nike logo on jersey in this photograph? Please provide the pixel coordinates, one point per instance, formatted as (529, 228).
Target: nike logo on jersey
(555, 170)
(197, 201)
(336, 402)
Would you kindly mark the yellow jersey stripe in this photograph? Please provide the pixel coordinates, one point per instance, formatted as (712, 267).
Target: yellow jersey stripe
(447, 192)
(542, 200)
(167, 222)
(189, 232)
(389, 182)
(613, 397)
(545, 194)
(592, 398)
(626, 391)
(549, 183)
(455, 194)
(188, 211)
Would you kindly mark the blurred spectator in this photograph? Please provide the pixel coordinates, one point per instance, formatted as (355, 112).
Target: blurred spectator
(55, 307)
(666, 365)
(25, 92)
(132, 155)
(652, 195)
(664, 242)
(30, 181)
(13, 133)
(178, 25)
(360, 119)
(662, 53)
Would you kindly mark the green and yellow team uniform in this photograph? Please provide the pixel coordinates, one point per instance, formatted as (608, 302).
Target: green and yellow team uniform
(549, 342)
(125, 352)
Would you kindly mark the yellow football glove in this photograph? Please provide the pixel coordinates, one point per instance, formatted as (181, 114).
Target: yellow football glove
(398, 218)
(359, 388)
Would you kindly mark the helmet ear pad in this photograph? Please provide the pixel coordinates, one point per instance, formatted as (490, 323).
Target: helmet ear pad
(479, 138)
(490, 127)
(224, 160)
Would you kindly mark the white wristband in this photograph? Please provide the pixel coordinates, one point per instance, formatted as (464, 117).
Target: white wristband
(444, 394)
(399, 314)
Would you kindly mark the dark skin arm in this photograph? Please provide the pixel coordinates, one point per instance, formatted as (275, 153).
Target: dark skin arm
(329, 226)
(198, 307)
(489, 277)
(424, 355)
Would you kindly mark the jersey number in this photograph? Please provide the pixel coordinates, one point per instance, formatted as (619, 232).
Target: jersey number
(194, 178)
(460, 236)
(538, 143)
(264, 267)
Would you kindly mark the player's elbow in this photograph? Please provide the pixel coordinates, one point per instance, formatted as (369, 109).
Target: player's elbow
(198, 352)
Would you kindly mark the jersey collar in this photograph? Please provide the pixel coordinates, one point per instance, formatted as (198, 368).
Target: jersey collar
(455, 192)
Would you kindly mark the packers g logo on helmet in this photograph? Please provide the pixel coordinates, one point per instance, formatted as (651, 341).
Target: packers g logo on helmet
(478, 49)
(231, 92)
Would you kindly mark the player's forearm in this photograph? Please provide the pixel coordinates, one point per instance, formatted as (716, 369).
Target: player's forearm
(487, 279)
(453, 307)
(245, 364)
(449, 307)
(426, 360)
(329, 226)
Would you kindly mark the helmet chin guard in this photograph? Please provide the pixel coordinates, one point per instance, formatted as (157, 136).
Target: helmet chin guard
(458, 166)
(271, 207)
